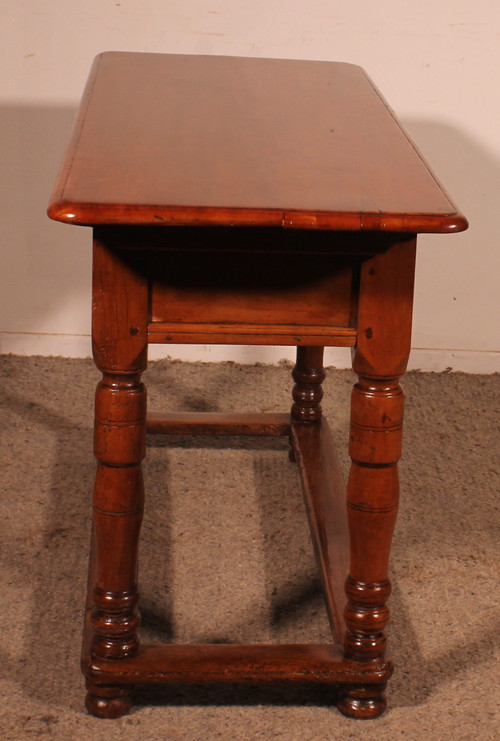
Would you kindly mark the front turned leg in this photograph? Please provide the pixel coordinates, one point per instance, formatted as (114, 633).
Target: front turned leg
(380, 358)
(372, 502)
(118, 507)
(119, 334)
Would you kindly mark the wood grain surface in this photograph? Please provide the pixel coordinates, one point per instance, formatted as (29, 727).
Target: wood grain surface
(176, 139)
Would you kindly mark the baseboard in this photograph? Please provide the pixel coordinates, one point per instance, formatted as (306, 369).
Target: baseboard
(465, 361)
(58, 345)
(79, 346)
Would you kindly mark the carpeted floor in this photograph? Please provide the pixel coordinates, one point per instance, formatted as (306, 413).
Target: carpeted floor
(225, 556)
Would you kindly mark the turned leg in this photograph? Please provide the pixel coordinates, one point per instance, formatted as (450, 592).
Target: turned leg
(380, 357)
(119, 341)
(307, 393)
(308, 374)
(372, 501)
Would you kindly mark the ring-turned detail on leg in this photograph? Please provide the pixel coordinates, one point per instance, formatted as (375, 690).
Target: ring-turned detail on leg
(372, 501)
(119, 341)
(308, 374)
(380, 358)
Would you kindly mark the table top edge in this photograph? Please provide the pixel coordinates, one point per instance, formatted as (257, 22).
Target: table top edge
(82, 214)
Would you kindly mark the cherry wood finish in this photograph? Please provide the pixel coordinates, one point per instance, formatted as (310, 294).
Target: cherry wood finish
(214, 423)
(235, 663)
(324, 496)
(246, 142)
(380, 358)
(262, 202)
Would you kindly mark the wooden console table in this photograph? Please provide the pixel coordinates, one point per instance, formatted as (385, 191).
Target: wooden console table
(248, 201)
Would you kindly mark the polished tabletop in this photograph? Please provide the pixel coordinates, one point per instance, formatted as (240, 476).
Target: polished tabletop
(165, 139)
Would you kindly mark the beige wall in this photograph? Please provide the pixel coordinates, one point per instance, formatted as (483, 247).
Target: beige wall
(437, 63)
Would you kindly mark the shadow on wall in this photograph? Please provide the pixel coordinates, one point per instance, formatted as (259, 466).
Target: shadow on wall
(456, 281)
(46, 266)
(45, 277)
(468, 171)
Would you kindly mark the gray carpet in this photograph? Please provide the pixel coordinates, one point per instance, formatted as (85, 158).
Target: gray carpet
(226, 557)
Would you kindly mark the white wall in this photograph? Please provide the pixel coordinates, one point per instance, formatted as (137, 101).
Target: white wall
(437, 63)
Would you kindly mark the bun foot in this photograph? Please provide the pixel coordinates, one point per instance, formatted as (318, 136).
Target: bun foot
(108, 702)
(363, 702)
